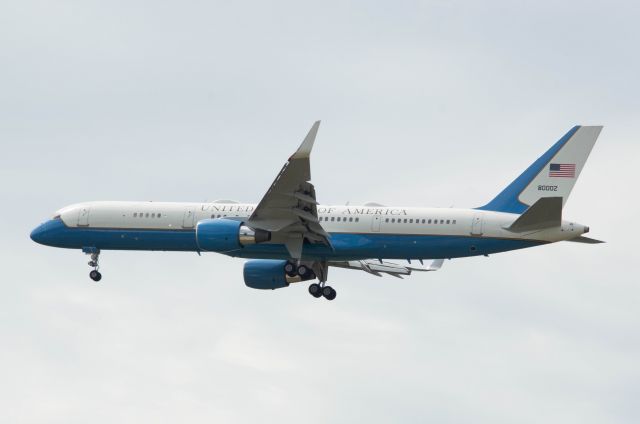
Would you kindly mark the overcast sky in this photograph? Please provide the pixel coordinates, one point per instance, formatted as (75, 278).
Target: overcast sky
(423, 103)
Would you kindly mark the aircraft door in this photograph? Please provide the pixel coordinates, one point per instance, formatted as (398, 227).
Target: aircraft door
(189, 219)
(476, 225)
(83, 216)
(375, 223)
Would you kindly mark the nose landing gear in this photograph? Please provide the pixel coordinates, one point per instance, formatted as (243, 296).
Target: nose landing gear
(95, 274)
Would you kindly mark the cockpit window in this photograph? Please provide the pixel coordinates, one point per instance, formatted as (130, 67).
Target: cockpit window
(56, 216)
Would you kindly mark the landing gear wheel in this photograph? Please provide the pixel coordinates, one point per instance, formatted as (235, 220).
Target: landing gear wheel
(290, 269)
(303, 271)
(329, 293)
(95, 275)
(315, 290)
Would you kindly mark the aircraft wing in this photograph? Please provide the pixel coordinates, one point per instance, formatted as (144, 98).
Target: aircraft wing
(288, 209)
(382, 267)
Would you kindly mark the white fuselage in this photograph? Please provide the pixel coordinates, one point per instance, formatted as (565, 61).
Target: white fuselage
(334, 219)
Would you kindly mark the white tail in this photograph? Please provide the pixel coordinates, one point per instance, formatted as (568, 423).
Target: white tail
(553, 175)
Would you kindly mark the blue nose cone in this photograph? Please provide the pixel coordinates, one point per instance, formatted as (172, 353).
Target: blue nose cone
(48, 233)
(39, 233)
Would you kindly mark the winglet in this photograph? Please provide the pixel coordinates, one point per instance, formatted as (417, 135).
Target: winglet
(305, 148)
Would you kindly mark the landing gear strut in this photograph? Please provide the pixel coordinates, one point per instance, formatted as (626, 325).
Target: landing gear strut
(93, 263)
(311, 271)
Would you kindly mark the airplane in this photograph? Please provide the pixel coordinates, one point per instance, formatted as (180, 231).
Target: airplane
(289, 237)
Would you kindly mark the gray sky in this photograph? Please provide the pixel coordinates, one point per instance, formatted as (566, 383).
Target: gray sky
(432, 103)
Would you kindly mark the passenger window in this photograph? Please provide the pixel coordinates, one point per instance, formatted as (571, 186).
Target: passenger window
(405, 220)
(159, 215)
(350, 219)
(411, 221)
(393, 220)
(454, 221)
(146, 215)
(423, 221)
(357, 219)
(333, 218)
(386, 220)
(135, 214)
(153, 215)
(448, 221)
(442, 221)
(429, 222)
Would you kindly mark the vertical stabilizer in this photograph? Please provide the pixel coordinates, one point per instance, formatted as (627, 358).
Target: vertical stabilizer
(553, 175)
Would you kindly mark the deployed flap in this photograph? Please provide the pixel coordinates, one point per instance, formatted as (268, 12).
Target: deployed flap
(378, 268)
(544, 213)
(288, 209)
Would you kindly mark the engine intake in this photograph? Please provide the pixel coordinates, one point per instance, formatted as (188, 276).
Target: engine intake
(224, 235)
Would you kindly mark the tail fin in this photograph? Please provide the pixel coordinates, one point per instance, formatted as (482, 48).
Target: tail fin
(552, 175)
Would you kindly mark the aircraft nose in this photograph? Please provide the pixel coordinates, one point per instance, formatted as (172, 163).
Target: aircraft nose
(38, 233)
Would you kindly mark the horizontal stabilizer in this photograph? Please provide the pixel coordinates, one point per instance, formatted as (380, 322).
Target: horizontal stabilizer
(544, 213)
(587, 240)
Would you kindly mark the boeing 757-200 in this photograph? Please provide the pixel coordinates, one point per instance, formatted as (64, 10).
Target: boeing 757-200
(288, 237)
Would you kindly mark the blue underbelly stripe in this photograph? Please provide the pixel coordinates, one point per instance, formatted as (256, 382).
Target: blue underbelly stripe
(347, 246)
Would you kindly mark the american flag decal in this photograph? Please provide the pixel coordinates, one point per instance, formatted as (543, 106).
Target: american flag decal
(562, 170)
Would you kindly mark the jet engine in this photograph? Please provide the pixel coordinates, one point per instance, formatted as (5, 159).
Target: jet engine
(270, 274)
(266, 274)
(224, 235)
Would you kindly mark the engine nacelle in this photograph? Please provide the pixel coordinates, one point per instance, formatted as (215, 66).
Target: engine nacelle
(266, 274)
(224, 235)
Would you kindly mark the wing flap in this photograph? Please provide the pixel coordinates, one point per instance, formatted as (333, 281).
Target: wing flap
(379, 267)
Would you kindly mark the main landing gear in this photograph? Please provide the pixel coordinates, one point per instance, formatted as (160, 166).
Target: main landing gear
(316, 290)
(311, 272)
(95, 274)
(302, 271)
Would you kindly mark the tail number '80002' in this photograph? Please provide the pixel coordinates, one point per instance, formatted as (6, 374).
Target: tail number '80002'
(547, 188)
